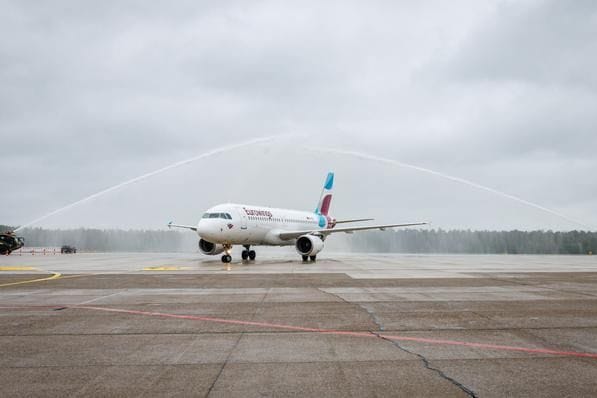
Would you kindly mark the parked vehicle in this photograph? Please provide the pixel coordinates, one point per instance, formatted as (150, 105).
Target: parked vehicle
(9, 242)
(68, 249)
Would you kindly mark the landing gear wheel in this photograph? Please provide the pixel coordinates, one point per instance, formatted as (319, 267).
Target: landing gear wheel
(252, 255)
(313, 258)
(305, 259)
(244, 255)
(226, 258)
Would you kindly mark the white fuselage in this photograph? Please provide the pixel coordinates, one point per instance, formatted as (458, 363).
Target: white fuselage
(239, 224)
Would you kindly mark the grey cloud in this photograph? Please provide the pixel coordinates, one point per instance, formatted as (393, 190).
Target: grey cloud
(549, 43)
(95, 93)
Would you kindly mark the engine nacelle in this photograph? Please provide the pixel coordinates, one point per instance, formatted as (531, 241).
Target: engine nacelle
(211, 249)
(309, 245)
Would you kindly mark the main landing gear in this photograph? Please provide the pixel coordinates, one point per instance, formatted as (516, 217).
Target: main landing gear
(248, 253)
(307, 258)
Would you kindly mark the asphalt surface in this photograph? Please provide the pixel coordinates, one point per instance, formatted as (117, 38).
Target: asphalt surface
(179, 325)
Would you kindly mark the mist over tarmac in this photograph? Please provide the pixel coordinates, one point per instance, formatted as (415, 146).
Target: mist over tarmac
(499, 93)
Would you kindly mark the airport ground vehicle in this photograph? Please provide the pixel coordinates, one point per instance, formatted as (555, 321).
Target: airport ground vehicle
(9, 242)
(66, 249)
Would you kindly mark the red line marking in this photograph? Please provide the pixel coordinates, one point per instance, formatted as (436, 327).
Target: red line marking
(31, 307)
(348, 333)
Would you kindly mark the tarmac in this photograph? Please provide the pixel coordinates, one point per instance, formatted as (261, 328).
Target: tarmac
(155, 324)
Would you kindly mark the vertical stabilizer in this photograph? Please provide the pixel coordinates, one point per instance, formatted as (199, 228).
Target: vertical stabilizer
(323, 207)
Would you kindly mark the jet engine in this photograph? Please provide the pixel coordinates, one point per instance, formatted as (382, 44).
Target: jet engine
(309, 245)
(209, 248)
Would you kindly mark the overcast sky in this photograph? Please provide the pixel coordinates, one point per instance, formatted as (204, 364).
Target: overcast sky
(503, 93)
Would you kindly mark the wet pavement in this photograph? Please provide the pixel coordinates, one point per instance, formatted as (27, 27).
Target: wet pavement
(181, 325)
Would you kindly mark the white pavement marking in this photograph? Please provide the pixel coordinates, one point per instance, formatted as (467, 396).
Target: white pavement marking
(100, 298)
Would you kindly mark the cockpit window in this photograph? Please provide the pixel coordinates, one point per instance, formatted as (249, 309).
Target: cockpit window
(225, 216)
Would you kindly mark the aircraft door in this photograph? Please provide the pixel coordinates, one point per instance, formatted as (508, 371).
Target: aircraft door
(243, 218)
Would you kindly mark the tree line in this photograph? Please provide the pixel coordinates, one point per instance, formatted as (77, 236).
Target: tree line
(475, 242)
(398, 241)
(109, 240)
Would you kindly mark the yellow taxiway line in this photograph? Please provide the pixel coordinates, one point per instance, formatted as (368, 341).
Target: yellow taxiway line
(55, 275)
(166, 268)
(13, 268)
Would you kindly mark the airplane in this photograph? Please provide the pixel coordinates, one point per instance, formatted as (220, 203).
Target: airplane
(229, 224)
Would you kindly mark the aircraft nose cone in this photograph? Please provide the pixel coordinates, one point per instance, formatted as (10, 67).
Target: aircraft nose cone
(207, 228)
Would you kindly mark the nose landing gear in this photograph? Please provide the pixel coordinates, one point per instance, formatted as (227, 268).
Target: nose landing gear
(227, 258)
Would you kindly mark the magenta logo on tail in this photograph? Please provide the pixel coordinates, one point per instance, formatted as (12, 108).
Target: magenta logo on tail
(323, 207)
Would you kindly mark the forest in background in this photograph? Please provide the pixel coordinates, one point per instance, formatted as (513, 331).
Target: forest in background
(398, 241)
(475, 242)
(110, 240)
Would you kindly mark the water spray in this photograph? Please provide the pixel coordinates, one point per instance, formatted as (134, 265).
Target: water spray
(356, 154)
(151, 174)
(459, 180)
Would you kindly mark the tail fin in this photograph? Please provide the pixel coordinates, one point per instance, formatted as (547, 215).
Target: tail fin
(323, 207)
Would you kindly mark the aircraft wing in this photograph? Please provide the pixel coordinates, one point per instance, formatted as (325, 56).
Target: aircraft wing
(295, 234)
(353, 220)
(171, 224)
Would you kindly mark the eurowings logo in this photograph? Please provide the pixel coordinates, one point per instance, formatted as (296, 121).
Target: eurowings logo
(260, 213)
(230, 226)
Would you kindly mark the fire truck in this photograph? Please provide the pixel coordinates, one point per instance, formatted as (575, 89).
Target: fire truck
(9, 242)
